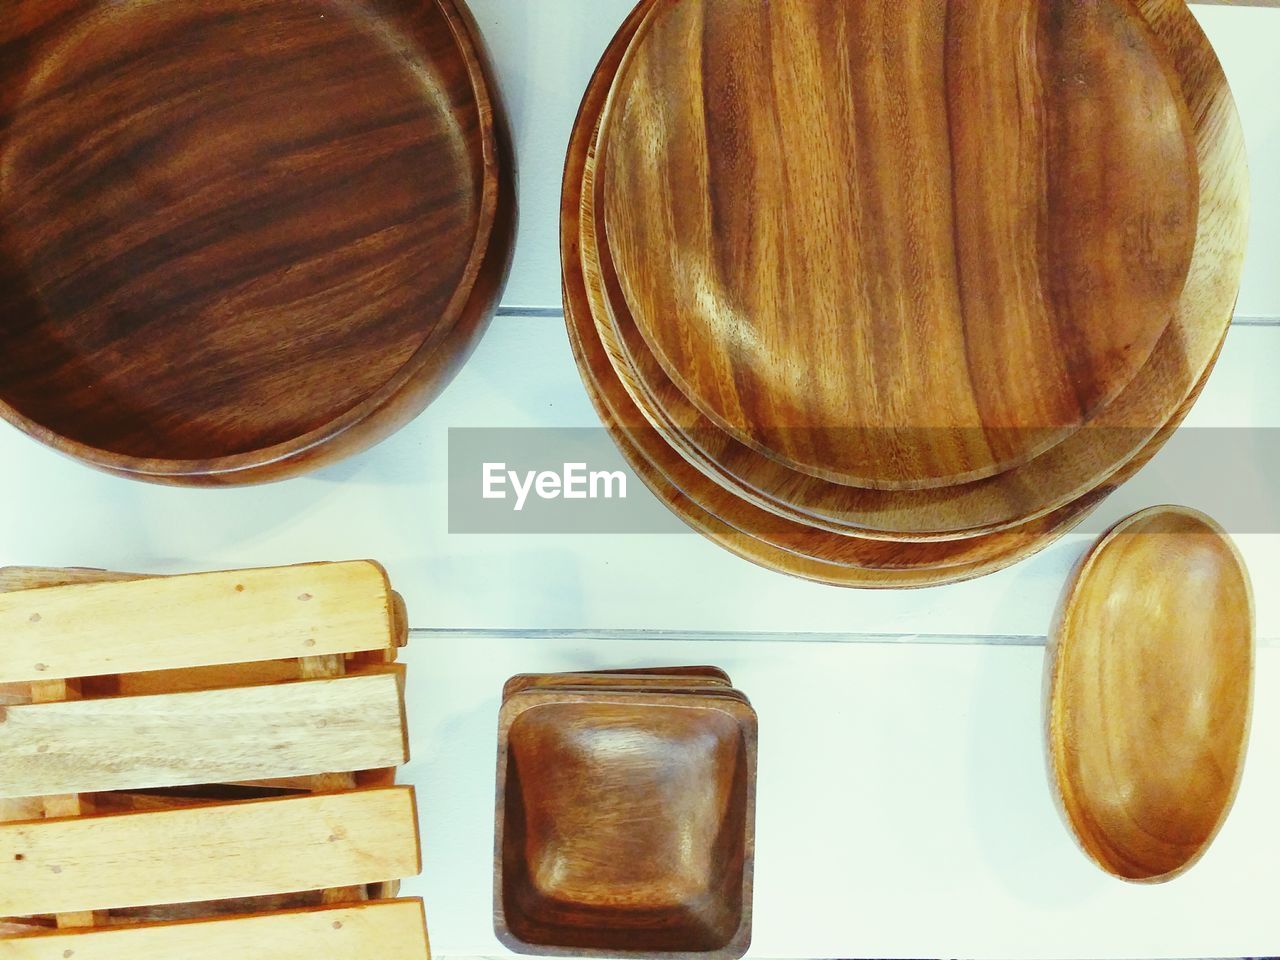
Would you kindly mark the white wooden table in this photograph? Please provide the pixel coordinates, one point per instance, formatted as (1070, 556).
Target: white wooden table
(903, 809)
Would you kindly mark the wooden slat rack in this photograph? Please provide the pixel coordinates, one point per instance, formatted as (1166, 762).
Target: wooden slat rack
(204, 766)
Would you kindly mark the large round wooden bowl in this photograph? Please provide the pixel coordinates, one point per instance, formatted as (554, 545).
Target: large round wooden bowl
(899, 245)
(241, 239)
(754, 534)
(1150, 685)
(1067, 471)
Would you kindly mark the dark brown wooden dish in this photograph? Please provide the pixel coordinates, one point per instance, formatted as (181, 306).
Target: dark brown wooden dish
(625, 824)
(241, 239)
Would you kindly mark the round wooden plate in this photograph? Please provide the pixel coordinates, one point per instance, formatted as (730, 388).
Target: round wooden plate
(1065, 472)
(241, 238)
(1150, 685)
(757, 535)
(893, 245)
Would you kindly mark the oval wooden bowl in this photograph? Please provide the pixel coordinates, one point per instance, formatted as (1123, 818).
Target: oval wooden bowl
(871, 244)
(756, 535)
(246, 238)
(1067, 471)
(1150, 687)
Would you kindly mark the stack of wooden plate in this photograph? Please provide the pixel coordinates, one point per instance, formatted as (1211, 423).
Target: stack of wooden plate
(625, 814)
(886, 294)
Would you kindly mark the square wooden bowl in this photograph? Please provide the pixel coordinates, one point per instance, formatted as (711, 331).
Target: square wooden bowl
(625, 824)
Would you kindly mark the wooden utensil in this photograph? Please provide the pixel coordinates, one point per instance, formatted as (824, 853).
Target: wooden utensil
(1063, 474)
(869, 243)
(1150, 685)
(249, 253)
(648, 821)
(748, 532)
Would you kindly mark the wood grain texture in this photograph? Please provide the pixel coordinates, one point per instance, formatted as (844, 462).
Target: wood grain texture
(280, 730)
(334, 781)
(893, 245)
(1150, 687)
(13, 579)
(65, 801)
(195, 620)
(756, 535)
(208, 853)
(237, 237)
(642, 841)
(392, 930)
(1063, 474)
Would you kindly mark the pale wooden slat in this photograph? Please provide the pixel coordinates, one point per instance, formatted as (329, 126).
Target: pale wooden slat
(390, 930)
(198, 620)
(284, 730)
(156, 681)
(217, 852)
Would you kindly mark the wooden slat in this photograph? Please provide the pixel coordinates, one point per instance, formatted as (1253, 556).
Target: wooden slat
(250, 733)
(199, 620)
(390, 930)
(218, 852)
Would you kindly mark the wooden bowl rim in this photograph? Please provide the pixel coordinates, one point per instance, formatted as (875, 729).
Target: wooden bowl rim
(1061, 639)
(161, 469)
(593, 680)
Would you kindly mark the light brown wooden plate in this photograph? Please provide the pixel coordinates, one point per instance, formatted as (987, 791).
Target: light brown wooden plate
(1150, 686)
(249, 253)
(871, 242)
(745, 530)
(1064, 473)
